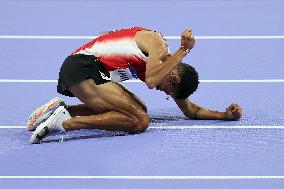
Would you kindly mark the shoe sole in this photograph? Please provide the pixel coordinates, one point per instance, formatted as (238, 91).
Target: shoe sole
(42, 113)
(42, 130)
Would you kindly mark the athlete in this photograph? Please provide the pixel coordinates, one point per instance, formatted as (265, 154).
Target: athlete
(92, 74)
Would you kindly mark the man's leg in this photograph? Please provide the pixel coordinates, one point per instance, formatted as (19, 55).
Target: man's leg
(118, 110)
(140, 102)
(81, 110)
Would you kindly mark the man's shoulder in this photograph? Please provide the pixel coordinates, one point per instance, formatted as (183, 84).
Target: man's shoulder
(148, 34)
(147, 39)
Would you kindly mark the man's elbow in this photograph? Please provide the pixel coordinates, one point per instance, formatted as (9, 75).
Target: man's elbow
(150, 83)
(189, 114)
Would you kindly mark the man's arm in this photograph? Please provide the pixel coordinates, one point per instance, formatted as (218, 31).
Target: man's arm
(155, 46)
(156, 70)
(193, 111)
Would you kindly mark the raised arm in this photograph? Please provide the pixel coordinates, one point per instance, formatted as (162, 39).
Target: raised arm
(193, 111)
(153, 44)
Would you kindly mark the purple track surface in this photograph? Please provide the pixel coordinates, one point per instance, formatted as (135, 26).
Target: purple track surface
(159, 151)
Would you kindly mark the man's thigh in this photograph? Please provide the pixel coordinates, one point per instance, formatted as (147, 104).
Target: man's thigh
(106, 97)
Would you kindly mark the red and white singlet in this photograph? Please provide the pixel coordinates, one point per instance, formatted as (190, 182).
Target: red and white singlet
(119, 54)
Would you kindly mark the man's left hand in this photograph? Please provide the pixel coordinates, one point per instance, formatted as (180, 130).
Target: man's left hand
(187, 39)
(233, 112)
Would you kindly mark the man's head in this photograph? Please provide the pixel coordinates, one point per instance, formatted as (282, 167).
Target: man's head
(181, 83)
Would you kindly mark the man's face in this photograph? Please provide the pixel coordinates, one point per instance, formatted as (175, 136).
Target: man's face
(169, 83)
(166, 87)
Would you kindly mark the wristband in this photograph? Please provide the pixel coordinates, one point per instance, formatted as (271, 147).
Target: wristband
(185, 49)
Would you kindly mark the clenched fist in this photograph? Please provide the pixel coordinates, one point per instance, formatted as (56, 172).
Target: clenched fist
(187, 39)
(233, 112)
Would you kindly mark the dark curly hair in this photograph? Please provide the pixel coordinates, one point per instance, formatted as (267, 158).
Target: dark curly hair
(189, 81)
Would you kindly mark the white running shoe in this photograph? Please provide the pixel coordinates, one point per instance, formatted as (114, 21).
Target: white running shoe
(42, 113)
(53, 123)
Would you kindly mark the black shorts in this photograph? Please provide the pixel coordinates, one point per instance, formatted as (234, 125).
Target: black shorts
(78, 68)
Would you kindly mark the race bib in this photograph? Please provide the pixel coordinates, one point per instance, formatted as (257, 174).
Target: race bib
(119, 75)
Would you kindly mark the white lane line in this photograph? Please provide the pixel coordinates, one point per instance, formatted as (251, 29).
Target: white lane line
(12, 127)
(166, 37)
(138, 81)
(148, 177)
(183, 127)
(27, 81)
(227, 81)
(244, 81)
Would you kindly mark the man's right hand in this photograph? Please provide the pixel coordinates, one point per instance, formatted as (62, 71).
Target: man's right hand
(187, 39)
(233, 112)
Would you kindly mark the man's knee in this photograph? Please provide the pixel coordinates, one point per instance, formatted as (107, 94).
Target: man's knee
(141, 123)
